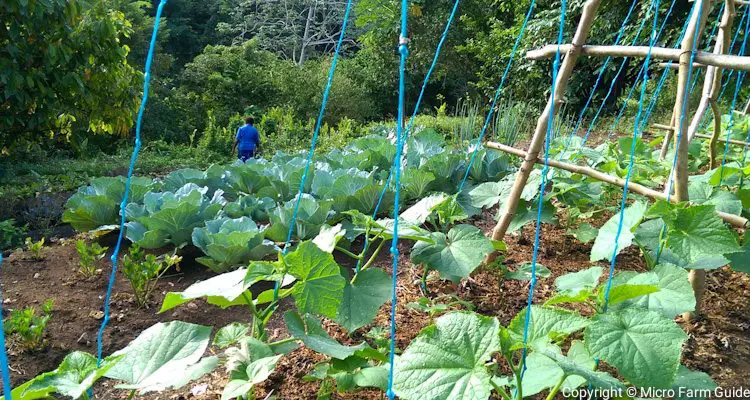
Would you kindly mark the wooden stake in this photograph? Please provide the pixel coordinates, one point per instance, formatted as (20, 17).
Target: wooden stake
(734, 220)
(746, 111)
(712, 80)
(699, 14)
(572, 53)
(667, 138)
(741, 63)
(713, 145)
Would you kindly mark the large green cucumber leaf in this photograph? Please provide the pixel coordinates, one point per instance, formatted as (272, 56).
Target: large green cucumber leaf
(690, 384)
(223, 290)
(319, 286)
(312, 334)
(528, 211)
(580, 368)
(447, 360)
(604, 245)
(363, 298)
(165, 356)
(455, 255)
(643, 345)
(548, 323)
(675, 295)
(697, 232)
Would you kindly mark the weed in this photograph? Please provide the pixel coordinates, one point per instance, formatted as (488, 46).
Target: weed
(35, 248)
(144, 270)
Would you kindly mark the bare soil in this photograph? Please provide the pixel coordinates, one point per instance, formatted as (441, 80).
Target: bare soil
(719, 342)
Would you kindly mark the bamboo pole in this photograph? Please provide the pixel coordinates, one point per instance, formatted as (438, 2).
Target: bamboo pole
(698, 18)
(712, 80)
(566, 70)
(713, 145)
(659, 53)
(734, 220)
(672, 65)
(746, 111)
(704, 136)
(667, 138)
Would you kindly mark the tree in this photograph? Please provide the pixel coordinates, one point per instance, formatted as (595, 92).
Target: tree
(62, 67)
(293, 29)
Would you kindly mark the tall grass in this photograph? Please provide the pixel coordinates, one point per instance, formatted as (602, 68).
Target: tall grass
(511, 123)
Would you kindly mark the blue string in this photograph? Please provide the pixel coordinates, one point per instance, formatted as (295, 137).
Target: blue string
(499, 90)
(711, 36)
(704, 118)
(426, 81)
(730, 124)
(636, 133)
(620, 34)
(403, 50)
(545, 170)
(745, 16)
(680, 125)
(4, 369)
(133, 158)
(664, 76)
(619, 73)
(314, 141)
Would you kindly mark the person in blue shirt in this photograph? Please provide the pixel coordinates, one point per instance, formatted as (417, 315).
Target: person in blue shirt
(248, 140)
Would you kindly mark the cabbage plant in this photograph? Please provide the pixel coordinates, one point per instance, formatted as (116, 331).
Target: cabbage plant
(170, 217)
(229, 243)
(98, 204)
(311, 216)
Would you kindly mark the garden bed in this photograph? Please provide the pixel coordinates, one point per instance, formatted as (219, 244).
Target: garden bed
(718, 344)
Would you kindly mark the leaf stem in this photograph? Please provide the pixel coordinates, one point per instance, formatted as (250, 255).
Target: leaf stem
(349, 253)
(502, 392)
(556, 388)
(131, 395)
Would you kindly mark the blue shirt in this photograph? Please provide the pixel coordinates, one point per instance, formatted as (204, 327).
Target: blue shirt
(248, 138)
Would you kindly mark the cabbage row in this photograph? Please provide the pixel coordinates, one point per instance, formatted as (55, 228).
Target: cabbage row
(241, 212)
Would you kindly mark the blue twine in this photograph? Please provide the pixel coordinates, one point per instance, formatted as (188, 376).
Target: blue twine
(620, 34)
(545, 170)
(426, 81)
(711, 36)
(636, 133)
(499, 90)
(403, 50)
(704, 118)
(745, 16)
(664, 76)
(680, 125)
(133, 158)
(619, 73)
(314, 141)
(643, 72)
(4, 368)
(730, 124)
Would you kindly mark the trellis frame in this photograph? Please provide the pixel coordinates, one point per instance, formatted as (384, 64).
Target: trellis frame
(684, 55)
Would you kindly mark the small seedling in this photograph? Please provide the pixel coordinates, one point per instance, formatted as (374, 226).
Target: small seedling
(144, 270)
(88, 256)
(35, 248)
(28, 326)
(435, 307)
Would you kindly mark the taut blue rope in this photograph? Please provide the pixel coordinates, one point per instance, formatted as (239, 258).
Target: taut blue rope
(403, 50)
(316, 132)
(636, 133)
(619, 73)
(711, 36)
(499, 90)
(4, 368)
(730, 124)
(745, 16)
(133, 158)
(680, 125)
(664, 76)
(620, 34)
(426, 81)
(545, 170)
